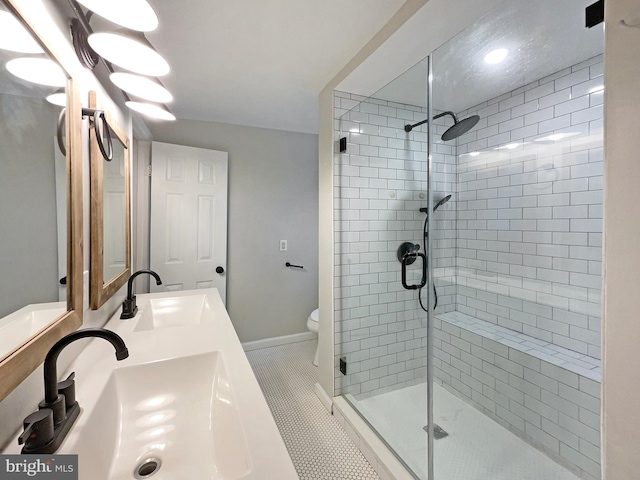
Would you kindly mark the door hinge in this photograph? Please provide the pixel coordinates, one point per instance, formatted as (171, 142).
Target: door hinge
(149, 168)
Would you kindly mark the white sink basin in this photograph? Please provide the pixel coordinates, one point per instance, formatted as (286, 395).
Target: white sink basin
(179, 311)
(26, 322)
(181, 411)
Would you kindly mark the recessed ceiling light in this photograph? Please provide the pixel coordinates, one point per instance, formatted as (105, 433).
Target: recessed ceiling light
(130, 51)
(496, 56)
(151, 110)
(133, 14)
(14, 37)
(143, 87)
(40, 70)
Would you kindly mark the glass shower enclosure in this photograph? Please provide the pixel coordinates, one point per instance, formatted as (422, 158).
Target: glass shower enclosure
(468, 251)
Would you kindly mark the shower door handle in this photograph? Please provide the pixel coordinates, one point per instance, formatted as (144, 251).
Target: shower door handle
(408, 259)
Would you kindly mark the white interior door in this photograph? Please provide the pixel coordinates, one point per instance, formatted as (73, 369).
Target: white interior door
(188, 218)
(114, 215)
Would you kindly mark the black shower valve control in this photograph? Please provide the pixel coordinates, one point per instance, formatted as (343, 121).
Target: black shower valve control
(408, 259)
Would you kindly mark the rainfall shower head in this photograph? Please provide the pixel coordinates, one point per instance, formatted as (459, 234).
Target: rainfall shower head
(458, 128)
(440, 203)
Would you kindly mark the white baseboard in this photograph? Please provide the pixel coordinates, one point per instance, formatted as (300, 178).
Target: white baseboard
(324, 398)
(275, 341)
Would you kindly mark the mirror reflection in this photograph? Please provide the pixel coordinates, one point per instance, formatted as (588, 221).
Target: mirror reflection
(33, 189)
(110, 208)
(114, 256)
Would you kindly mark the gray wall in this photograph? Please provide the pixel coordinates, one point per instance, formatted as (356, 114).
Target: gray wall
(273, 195)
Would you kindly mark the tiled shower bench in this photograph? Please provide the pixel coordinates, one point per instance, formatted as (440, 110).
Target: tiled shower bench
(546, 394)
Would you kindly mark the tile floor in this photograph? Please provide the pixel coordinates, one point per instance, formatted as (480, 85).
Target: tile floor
(319, 448)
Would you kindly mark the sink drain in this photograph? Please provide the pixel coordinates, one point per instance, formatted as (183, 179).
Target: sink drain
(147, 468)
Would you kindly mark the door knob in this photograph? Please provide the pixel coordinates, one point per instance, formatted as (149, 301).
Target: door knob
(219, 270)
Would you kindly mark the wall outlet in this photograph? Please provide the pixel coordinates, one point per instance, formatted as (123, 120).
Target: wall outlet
(283, 245)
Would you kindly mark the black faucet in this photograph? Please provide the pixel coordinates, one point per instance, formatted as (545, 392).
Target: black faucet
(45, 429)
(129, 307)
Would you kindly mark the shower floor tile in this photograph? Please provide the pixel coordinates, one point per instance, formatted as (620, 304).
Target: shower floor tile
(477, 448)
(319, 448)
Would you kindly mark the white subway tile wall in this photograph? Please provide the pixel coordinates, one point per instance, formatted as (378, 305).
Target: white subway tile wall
(517, 249)
(530, 210)
(380, 184)
(550, 398)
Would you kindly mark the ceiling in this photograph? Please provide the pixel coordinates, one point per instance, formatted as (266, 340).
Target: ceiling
(260, 63)
(539, 44)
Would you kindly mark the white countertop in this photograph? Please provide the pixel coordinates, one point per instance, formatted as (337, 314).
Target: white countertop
(268, 457)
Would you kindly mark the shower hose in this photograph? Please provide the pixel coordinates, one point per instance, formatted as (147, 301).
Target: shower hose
(435, 292)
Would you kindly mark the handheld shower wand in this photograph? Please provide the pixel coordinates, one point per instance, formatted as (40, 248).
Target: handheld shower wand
(426, 236)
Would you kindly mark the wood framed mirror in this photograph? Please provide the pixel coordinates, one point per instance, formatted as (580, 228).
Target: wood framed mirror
(40, 210)
(110, 210)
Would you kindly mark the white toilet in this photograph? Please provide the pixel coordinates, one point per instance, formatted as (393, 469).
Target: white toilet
(312, 325)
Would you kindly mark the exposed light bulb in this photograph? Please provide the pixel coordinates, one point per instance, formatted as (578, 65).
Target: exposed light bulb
(134, 14)
(143, 87)
(42, 71)
(131, 52)
(59, 98)
(14, 37)
(151, 110)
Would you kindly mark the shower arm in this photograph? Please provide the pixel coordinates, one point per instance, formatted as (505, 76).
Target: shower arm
(408, 128)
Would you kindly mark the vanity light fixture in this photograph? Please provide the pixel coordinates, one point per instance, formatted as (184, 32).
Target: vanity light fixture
(141, 86)
(14, 37)
(133, 14)
(129, 50)
(496, 56)
(59, 97)
(152, 110)
(38, 69)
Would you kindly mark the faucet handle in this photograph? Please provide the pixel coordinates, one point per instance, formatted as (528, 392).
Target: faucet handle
(68, 389)
(38, 429)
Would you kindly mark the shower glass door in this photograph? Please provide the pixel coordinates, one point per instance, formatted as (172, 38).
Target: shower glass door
(381, 186)
(517, 248)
